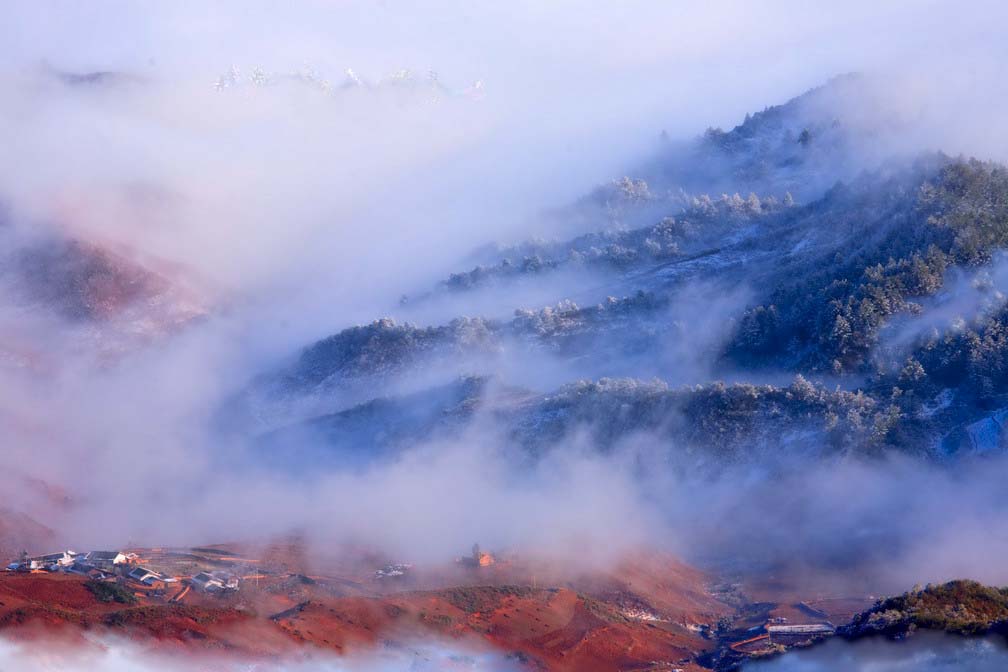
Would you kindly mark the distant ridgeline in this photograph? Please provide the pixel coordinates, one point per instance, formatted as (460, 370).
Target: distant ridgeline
(866, 286)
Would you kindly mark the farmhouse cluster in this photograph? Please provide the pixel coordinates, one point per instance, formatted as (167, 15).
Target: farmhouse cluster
(133, 571)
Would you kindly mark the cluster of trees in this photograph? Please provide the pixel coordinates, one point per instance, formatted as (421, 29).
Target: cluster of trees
(961, 607)
(716, 420)
(704, 221)
(532, 264)
(386, 346)
(624, 190)
(567, 318)
(799, 146)
(110, 592)
(972, 360)
(895, 240)
(382, 347)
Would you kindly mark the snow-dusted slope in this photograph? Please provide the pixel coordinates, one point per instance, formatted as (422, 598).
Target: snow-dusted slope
(745, 287)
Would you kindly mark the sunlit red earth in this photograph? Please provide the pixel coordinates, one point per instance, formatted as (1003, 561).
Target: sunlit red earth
(557, 627)
(647, 612)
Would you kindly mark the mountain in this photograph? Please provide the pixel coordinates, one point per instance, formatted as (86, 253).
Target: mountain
(824, 313)
(102, 293)
(725, 340)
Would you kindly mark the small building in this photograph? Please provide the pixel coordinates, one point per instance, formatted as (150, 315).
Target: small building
(214, 583)
(53, 562)
(105, 559)
(477, 558)
(393, 571)
(148, 577)
(81, 566)
(230, 581)
(207, 583)
(803, 629)
(794, 634)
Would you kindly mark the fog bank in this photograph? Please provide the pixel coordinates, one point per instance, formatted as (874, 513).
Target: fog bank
(288, 199)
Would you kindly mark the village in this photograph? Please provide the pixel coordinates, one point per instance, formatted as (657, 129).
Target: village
(167, 574)
(296, 587)
(170, 574)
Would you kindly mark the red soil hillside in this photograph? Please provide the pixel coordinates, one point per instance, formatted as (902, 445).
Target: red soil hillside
(626, 619)
(83, 281)
(91, 283)
(552, 629)
(655, 583)
(36, 603)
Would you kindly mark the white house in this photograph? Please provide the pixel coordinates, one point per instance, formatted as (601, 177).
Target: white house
(148, 577)
(207, 583)
(218, 581)
(105, 559)
(53, 561)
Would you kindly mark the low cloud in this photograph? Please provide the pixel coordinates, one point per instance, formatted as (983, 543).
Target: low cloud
(293, 206)
(119, 655)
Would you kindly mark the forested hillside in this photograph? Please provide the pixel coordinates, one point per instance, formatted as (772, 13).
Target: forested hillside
(862, 318)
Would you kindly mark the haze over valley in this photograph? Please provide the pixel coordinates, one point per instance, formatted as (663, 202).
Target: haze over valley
(372, 337)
